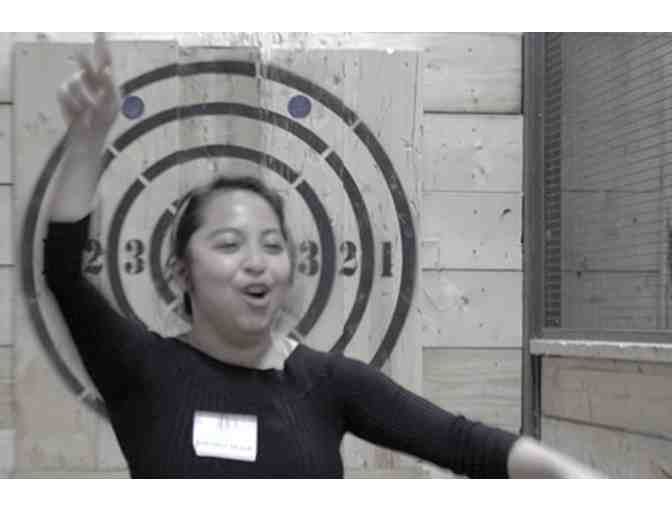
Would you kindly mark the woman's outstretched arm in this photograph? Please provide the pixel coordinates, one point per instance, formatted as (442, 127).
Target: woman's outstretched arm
(530, 459)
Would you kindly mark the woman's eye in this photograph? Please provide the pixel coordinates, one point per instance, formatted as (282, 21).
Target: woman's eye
(227, 246)
(274, 247)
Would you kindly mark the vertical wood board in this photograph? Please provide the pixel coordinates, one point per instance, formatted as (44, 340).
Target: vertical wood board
(55, 430)
(471, 230)
(481, 153)
(470, 308)
(6, 233)
(628, 395)
(7, 438)
(6, 296)
(482, 384)
(5, 144)
(354, 77)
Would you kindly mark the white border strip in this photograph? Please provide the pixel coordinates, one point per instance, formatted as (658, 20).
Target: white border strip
(631, 351)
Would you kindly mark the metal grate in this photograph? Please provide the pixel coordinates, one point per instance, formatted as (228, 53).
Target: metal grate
(607, 181)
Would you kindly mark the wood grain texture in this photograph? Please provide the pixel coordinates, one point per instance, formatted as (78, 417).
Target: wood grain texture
(482, 384)
(6, 297)
(6, 363)
(6, 389)
(471, 230)
(627, 395)
(7, 438)
(463, 72)
(473, 152)
(55, 431)
(470, 308)
(5, 144)
(6, 230)
(618, 454)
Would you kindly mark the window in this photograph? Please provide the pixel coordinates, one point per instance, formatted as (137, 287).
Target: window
(605, 159)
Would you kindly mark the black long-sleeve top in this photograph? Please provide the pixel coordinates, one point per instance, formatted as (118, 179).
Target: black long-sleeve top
(154, 386)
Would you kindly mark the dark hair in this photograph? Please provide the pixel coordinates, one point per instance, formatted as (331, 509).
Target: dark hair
(189, 216)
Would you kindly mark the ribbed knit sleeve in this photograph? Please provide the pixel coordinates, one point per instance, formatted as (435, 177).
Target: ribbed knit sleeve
(380, 411)
(113, 348)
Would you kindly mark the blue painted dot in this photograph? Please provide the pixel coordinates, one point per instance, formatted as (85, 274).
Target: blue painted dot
(133, 107)
(299, 106)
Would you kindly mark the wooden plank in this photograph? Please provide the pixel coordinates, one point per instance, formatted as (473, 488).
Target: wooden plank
(481, 384)
(64, 474)
(7, 438)
(6, 42)
(628, 395)
(108, 453)
(6, 296)
(471, 230)
(55, 430)
(473, 152)
(6, 390)
(6, 216)
(5, 144)
(618, 454)
(403, 473)
(470, 308)
(354, 77)
(6, 363)
(463, 72)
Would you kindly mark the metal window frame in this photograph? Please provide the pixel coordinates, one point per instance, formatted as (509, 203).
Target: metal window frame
(534, 330)
(532, 242)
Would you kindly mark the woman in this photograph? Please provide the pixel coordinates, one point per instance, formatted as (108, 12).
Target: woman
(236, 401)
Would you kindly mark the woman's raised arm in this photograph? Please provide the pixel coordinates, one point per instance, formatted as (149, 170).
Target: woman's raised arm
(90, 103)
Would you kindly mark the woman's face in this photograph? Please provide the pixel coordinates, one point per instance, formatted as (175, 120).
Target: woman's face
(239, 264)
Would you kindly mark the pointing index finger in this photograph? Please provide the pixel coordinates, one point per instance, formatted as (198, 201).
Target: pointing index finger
(101, 52)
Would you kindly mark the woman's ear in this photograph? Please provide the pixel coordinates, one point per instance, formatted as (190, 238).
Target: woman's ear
(182, 277)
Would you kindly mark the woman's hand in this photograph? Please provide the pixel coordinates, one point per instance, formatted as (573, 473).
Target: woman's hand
(90, 103)
(531, 459)
(90, 99)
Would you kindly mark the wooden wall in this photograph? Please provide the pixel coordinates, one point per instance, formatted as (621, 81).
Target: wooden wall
(469, 298)
(613, 414)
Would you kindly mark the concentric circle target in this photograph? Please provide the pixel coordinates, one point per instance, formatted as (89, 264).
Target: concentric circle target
(135, 258)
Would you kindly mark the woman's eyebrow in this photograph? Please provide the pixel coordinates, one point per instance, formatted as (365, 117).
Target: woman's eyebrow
(223, 230)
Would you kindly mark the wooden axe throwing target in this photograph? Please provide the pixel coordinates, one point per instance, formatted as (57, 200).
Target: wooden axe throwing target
(330, 130)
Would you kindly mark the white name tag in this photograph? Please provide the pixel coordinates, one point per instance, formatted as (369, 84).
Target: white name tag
(227, 436)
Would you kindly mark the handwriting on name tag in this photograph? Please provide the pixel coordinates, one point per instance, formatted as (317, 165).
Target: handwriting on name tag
(226, 436)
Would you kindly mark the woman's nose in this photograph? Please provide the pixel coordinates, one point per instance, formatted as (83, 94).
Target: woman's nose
(255, 262)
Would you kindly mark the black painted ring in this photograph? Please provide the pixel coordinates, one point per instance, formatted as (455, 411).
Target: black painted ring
(402, 207)
(320, 216)
(311, 140)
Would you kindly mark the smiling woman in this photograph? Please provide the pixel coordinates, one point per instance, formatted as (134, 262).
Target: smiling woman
(234, 262)
(235, 400)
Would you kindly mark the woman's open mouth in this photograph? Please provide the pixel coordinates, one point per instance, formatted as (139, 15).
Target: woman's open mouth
(258, 294)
